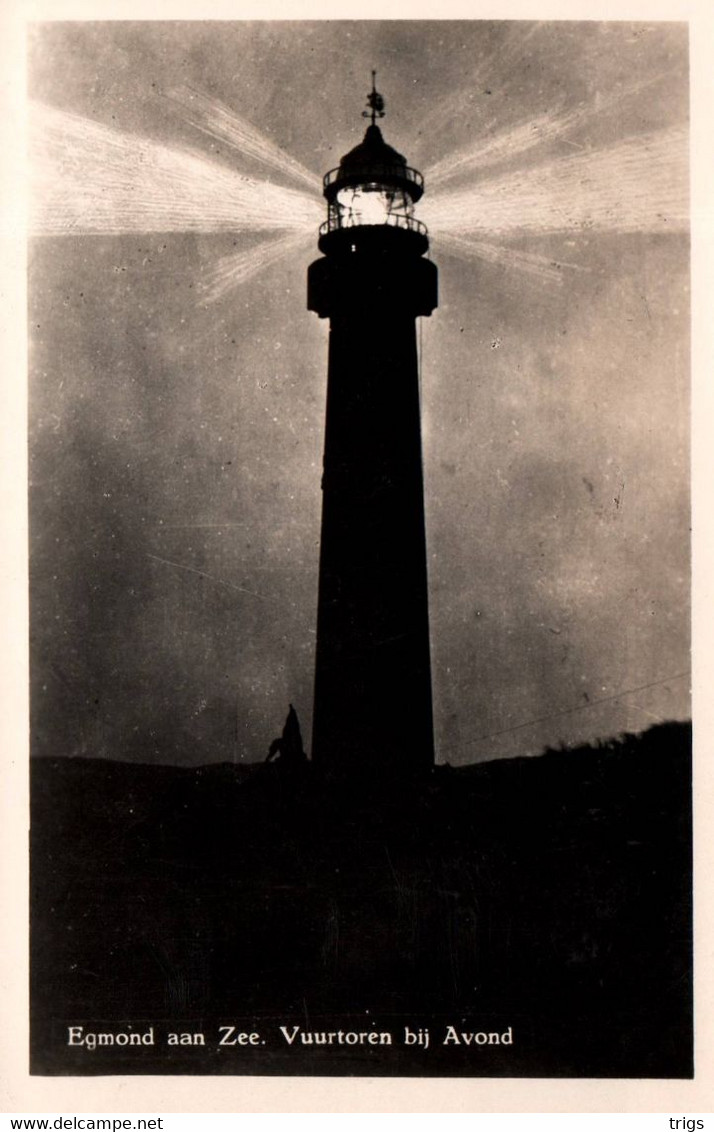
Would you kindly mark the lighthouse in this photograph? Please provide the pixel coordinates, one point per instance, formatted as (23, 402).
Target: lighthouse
(373, 706)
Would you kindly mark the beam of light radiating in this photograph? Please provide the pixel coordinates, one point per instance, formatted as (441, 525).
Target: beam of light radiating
(226, 125)
(541, 268)
(232, 270)
(637, 185)
(486, 152)
(89, 178)
(501, 61)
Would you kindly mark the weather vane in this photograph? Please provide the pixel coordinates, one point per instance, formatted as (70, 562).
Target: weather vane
(375, 102)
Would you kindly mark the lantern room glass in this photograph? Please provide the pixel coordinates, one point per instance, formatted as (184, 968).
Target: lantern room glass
(370, 204)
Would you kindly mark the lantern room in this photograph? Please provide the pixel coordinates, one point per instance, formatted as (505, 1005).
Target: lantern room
(372, 188)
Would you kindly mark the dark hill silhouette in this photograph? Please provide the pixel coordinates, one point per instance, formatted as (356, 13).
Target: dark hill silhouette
(550, 894)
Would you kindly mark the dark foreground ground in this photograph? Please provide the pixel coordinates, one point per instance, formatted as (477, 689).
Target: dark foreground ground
(545, 900)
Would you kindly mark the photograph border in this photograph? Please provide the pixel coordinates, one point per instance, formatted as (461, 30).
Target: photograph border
(22, 1093)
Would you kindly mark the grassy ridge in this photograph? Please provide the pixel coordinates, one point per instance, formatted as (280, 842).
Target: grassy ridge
(552, 894)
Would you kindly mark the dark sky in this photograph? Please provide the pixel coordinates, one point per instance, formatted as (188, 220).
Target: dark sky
(176, 444)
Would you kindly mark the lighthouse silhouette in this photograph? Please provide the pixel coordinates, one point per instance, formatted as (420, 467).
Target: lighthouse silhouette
(373, 707)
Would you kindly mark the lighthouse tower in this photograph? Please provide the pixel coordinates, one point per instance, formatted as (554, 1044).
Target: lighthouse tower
(372, 711)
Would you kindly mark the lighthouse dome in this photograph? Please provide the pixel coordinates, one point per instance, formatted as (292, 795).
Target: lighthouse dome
(372, 150)
(374, 164)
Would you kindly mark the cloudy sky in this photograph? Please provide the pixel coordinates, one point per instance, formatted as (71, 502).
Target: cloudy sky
(176, 428)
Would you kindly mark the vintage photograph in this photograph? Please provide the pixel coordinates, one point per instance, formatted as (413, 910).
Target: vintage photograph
(359, 506)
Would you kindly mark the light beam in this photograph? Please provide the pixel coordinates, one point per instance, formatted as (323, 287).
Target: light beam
(234, 269)
(542, 268)
(500, 62)
(89, 178)
(502, 146)
(225, 125)
(636, 185)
